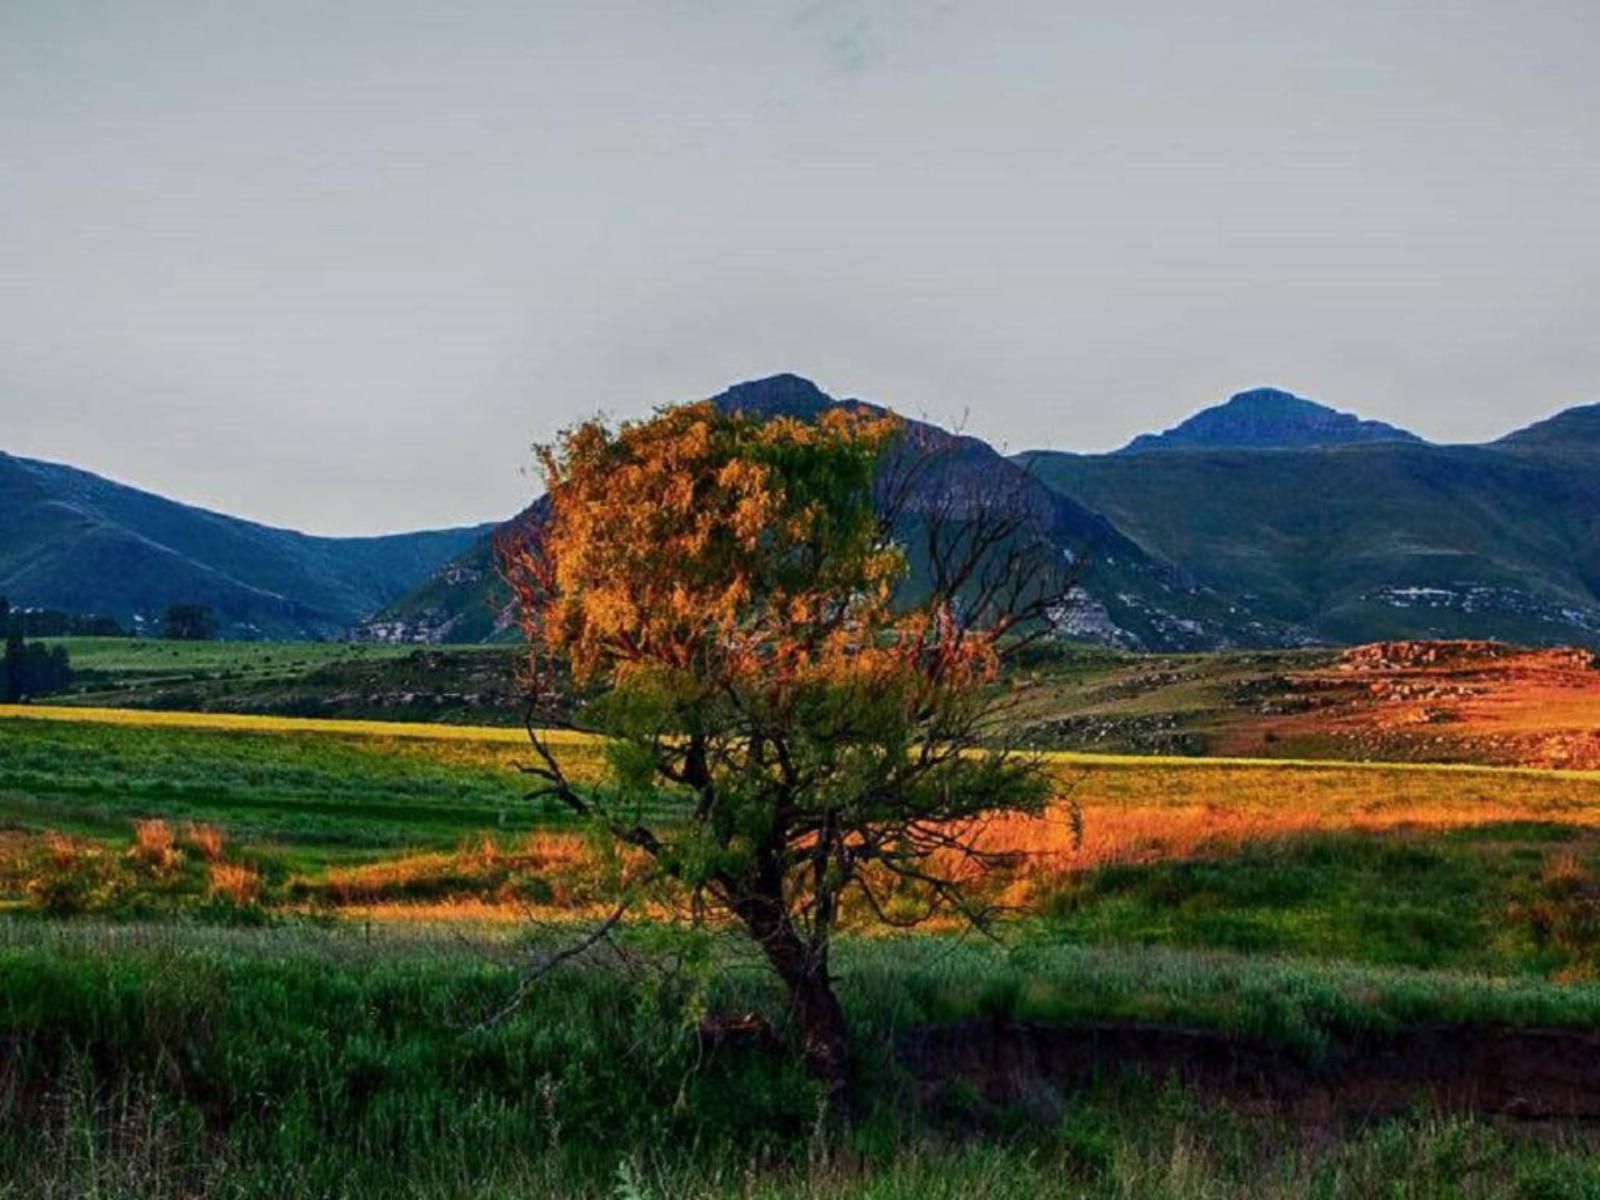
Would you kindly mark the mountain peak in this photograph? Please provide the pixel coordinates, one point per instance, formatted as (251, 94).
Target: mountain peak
(1268, 418)
(1271, 399)
(784, 394)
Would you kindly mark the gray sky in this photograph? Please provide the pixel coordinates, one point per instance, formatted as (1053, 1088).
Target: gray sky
(336, 265)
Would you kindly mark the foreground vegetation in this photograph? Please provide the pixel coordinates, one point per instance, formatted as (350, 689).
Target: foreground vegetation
(299, 1061)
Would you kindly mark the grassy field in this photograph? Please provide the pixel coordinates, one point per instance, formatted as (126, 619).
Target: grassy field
(316, 1030)
(308, 679)
(1381, 864)
(1084, 698)
(1118, 702)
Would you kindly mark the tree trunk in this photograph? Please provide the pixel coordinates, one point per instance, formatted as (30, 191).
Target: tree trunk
(818, 1015)
(824, 1037)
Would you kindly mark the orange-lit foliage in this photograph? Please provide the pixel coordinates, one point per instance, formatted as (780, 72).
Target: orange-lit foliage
(1138, 813)
(205, 840)
(727, 550)
(544, 869)
(237, 883)
(75, 875)
(155, 846)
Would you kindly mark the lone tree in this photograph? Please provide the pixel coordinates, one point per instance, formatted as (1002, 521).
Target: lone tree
(798, 724)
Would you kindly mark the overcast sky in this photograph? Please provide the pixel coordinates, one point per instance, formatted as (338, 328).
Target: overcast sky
(337, 265)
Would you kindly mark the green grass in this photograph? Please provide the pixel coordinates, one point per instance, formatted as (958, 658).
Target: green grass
(124, 663)
(323, 796)
(299, 803)
(183, 1056)
(299, 1061)
(1441, 899)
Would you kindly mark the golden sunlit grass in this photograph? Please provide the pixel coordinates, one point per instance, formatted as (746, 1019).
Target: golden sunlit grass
(1134, 810)
(546, 869)
(154, 845)
(205, 840)
(246, 723)
(1129, 812)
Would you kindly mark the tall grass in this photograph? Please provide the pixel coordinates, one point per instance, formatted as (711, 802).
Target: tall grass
(165, 1062)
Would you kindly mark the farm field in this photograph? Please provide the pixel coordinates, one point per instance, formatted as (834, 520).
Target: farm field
(1408, 701)
(308, 679)
(307, 922)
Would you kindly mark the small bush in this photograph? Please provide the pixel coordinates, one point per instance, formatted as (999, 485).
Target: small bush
(1563, 915)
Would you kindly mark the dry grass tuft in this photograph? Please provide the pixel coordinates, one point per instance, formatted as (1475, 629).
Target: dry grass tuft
(155, 845)
(205, 840)
(235, 882)
(73, 875)
(1564, 873)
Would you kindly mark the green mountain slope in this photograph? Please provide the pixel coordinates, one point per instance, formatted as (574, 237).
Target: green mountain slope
(1374, 540)
(74, 541)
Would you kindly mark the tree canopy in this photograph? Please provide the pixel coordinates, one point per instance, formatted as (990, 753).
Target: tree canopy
(189, 623)
(31, 669)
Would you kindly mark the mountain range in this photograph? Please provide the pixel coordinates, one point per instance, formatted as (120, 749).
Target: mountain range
(1363, 538)
(1267, 520)
(1130, 598)
(74, 541)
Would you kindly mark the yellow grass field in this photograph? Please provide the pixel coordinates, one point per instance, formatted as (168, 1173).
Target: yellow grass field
(424, 731)
(244, 723)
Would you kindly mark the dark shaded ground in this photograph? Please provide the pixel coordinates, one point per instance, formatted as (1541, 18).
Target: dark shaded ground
(1526, 1074)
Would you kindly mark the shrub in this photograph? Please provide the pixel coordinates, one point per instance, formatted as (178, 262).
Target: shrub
(1564, 914)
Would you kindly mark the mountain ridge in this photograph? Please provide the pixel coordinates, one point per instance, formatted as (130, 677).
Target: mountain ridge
(80, 542)
(1288, 540)
(1571, 428)
(1375, 539)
